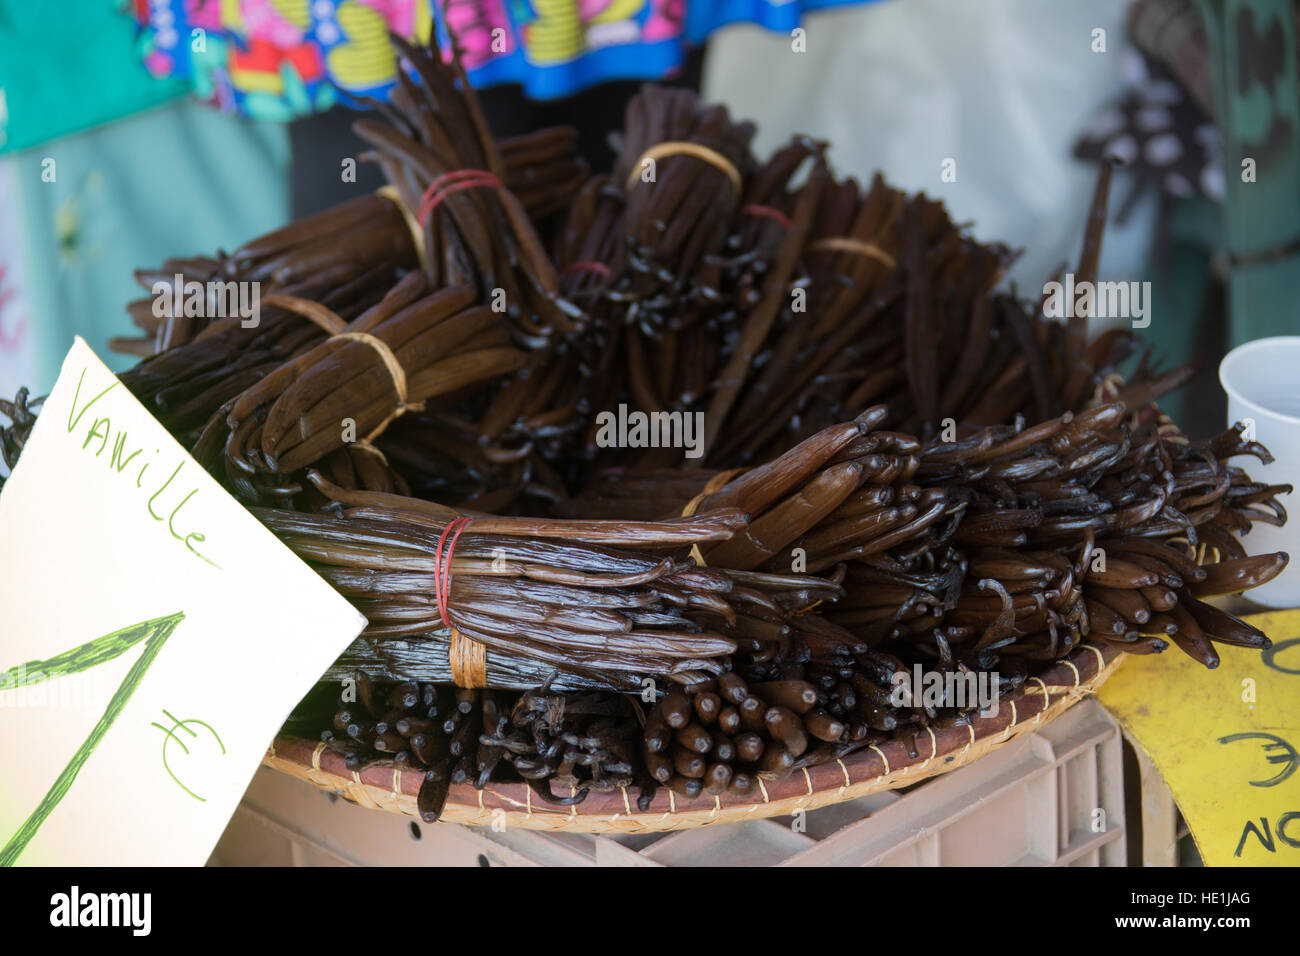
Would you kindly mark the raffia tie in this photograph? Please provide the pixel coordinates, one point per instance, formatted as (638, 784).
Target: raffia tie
(467, 657)
(678, 147)
(716, 483)
(417, 231)
(328, 320)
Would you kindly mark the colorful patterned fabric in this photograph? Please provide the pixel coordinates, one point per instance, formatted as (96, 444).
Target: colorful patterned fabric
(277, 59)
(69, 66)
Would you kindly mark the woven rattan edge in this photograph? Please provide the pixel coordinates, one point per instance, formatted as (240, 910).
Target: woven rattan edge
(887, 766)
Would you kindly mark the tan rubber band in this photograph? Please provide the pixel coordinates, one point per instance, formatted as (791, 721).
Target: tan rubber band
(468, 660)
(845, 244)
(677, 147)
(417, 232)
(715, 483)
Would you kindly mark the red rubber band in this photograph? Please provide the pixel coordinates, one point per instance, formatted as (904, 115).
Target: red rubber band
(442, 566)
(452, 182)
(439, 191)
(767, 212)
(455, 176)
(587, 265)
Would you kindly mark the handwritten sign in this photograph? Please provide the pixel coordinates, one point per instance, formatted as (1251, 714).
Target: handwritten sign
(153, 636)
(1225, 741)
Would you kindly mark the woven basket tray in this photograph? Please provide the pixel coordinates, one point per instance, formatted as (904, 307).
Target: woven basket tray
(887, 766)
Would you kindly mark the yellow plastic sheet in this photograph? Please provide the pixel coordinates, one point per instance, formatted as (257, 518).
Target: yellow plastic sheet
(1225, 741)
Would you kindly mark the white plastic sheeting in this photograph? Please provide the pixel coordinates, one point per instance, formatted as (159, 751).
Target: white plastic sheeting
(1003, 87)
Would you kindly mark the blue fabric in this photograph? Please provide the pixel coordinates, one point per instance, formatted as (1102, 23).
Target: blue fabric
(176, 181)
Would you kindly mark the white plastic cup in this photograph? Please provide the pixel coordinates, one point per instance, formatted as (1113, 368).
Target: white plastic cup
(1262, 379)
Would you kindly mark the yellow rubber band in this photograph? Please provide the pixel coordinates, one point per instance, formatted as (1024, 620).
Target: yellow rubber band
(845, 244)
(417, 231)
(395, 371)
(676, 147)
(323, 316)
(328, 320)
(715, 484)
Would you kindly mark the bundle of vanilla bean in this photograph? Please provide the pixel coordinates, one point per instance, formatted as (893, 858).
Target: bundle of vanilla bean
(610, 602)
(900, 463)
(540, 170)
(577, 742)
(437, 152)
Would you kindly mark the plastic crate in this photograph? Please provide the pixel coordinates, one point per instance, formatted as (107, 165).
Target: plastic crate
(1033, 802)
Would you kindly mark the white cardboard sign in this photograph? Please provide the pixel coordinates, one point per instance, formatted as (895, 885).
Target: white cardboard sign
(153, 637)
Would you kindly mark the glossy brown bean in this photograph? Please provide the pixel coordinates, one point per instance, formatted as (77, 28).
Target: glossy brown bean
(688, 764)
(695, 738)
(707, 707)
(775, 760)
(1223, 627)
(658, 735)
(785, 726)
(823, 726)
(432, 795)
(732, 687)
(1130, 604)
(659, 766)
(689, 787)
(1160, 598)
(752, 711)
(749, 747)
(1231, 577)
(1180, 562)
(1104, 620)
(1191, 638)
(729, 720)
(717, 778)
(676, 708)
(1122, 575)
(798, 696)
